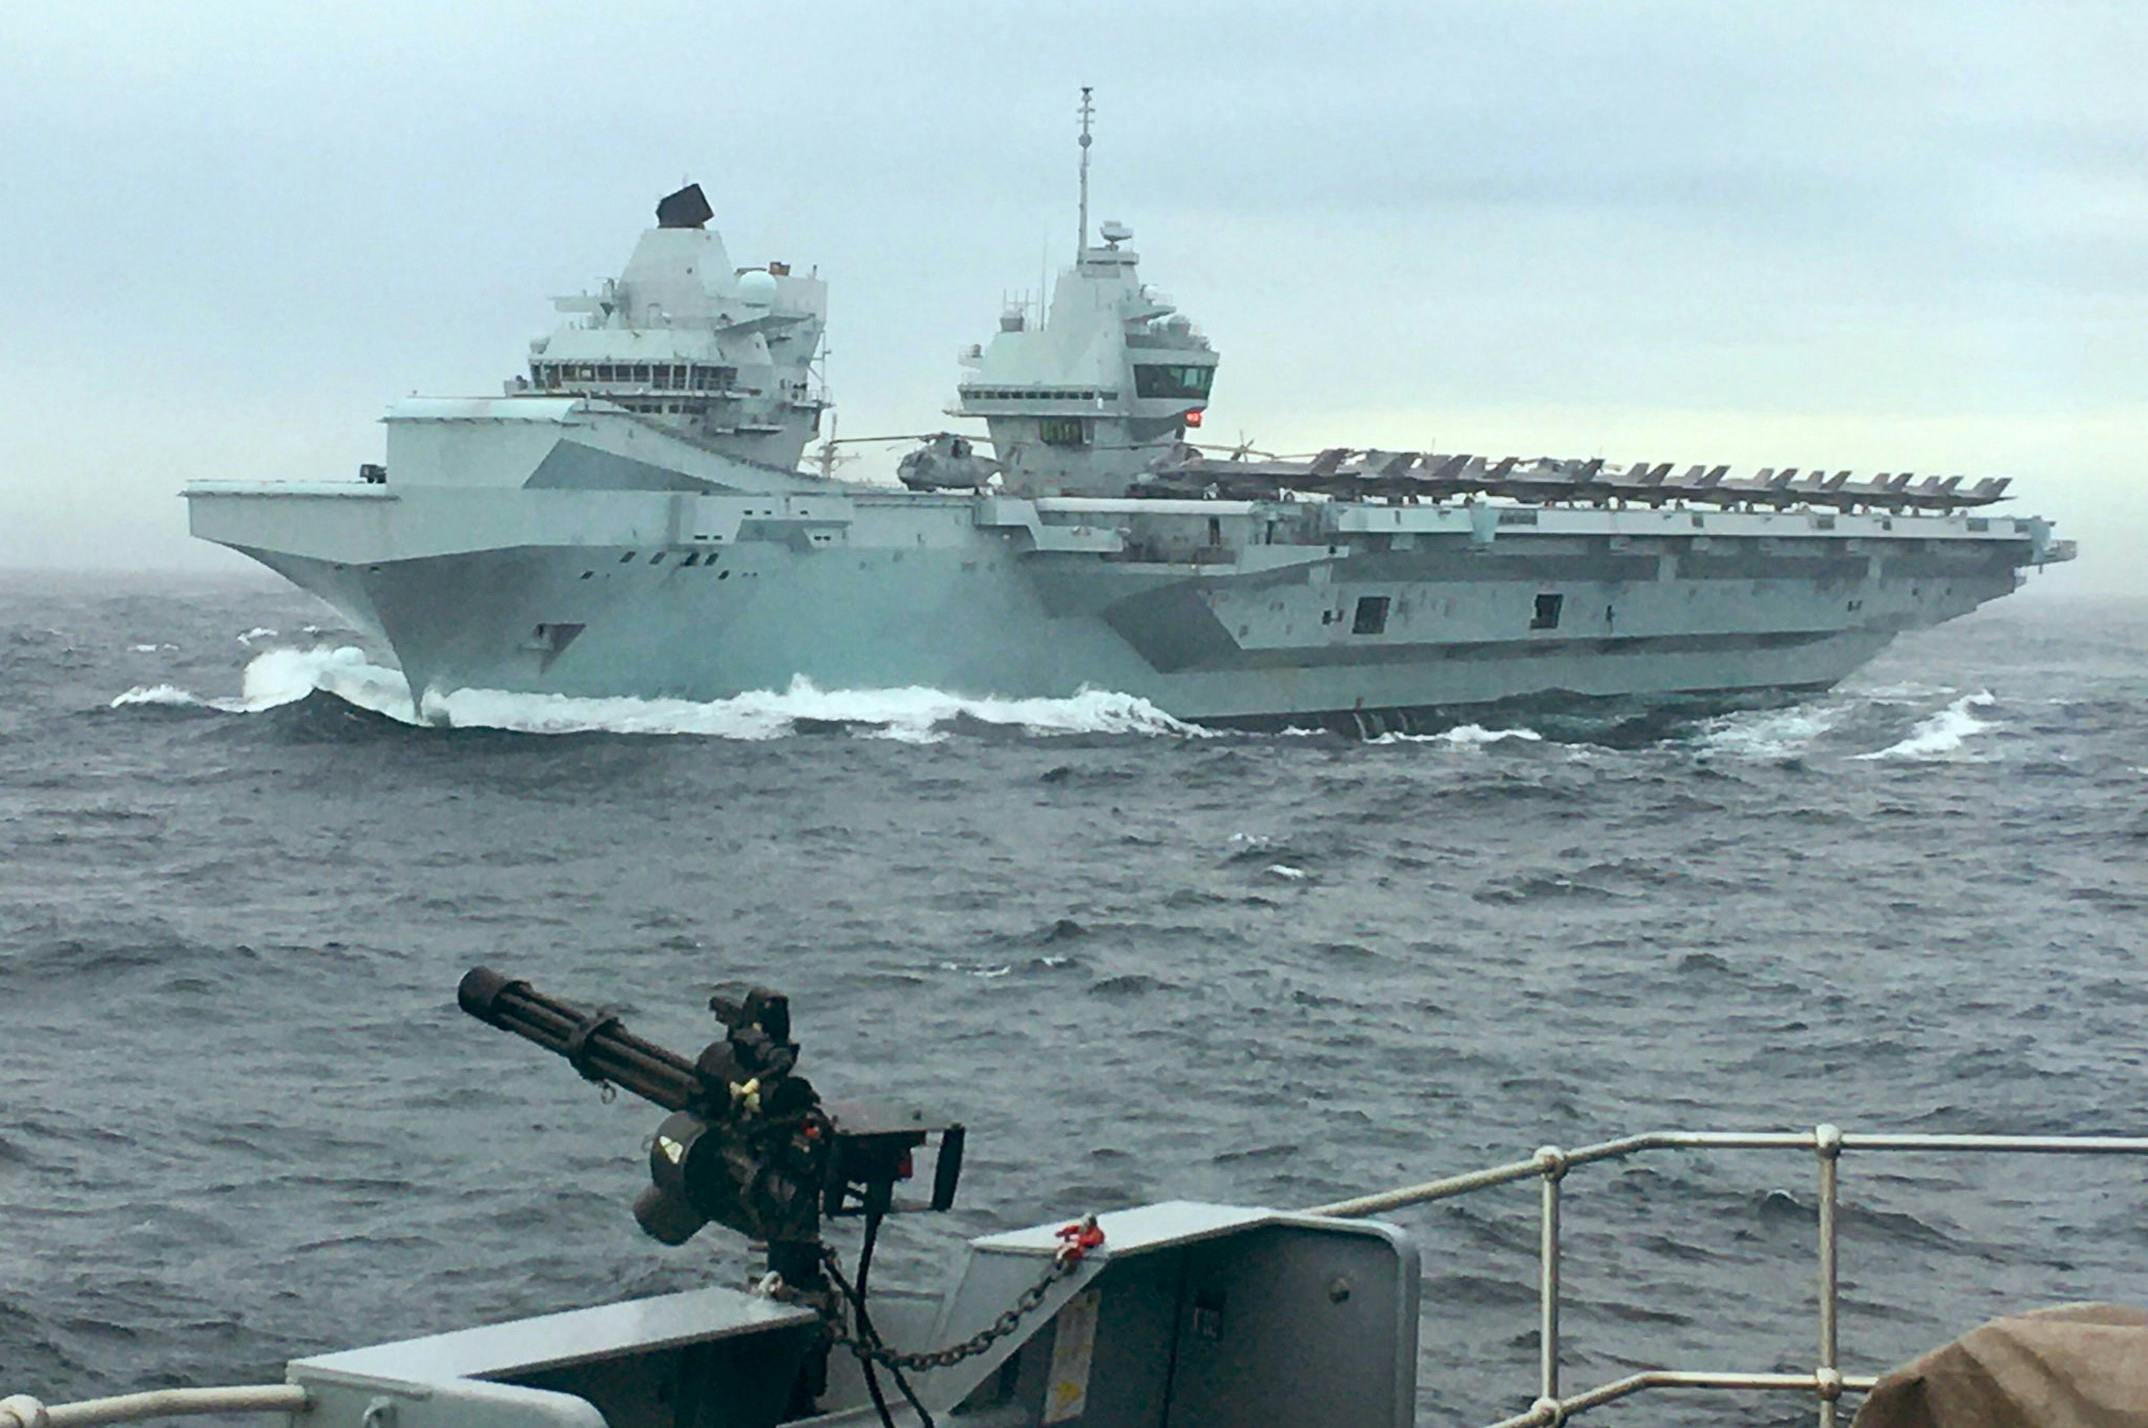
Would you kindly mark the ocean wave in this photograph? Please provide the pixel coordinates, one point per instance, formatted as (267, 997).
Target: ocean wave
(168, 696)
(1943, 733)
(989, 971)
(1769, 733)
(1468, 736)
(278, 677)
(911, 715)
(284, 676)
(1907, 689)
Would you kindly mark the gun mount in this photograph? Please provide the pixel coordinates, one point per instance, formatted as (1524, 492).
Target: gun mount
(749, 1143)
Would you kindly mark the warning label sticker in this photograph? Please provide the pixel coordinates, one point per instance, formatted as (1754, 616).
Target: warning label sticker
(1066, 1393)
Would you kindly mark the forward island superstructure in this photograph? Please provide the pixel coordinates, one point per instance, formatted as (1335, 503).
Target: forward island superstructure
(628, 518)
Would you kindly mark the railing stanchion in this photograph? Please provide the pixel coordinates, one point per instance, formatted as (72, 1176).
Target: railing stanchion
(1827, 1146)
(1551, 1163)
(1826, 1382)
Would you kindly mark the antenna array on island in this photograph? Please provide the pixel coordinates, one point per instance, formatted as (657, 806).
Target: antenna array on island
(1088, 111)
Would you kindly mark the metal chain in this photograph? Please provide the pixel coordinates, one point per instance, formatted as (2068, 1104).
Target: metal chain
(833, 1321)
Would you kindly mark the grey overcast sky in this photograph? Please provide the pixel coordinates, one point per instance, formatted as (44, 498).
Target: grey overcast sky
(1877, 236)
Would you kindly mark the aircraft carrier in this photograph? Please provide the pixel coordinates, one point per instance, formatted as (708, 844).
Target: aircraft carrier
(630, 517)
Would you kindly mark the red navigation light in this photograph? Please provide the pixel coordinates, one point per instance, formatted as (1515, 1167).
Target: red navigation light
(1193, 418)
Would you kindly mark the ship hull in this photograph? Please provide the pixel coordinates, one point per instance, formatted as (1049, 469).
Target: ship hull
(469, 622)
(1368, 617)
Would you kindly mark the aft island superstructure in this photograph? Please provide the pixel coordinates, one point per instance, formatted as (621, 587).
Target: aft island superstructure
(629, 518)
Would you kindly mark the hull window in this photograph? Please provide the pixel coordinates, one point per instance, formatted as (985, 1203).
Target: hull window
(1547, 612)
(1371, 617)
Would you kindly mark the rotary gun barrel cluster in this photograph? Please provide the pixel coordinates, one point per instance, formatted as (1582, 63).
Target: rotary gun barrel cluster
(749, 1144)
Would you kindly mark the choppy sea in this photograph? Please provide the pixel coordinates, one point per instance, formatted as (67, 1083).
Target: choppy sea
(242, 1120)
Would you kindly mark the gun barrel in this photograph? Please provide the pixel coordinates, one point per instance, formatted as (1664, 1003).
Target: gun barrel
(592, 1041)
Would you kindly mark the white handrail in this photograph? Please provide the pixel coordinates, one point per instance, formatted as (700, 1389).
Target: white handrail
(23, 1411)
(1825, 1142)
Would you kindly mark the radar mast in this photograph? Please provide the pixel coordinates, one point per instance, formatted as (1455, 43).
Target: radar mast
(1088, 111)
(1101, 387)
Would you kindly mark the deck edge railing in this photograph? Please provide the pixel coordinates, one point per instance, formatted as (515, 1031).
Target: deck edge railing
(1825, 1142)
(23, 1411)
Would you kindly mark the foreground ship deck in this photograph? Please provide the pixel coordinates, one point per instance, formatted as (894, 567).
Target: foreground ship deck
(1178, 1312)
(1201, 1314)
(629, 519)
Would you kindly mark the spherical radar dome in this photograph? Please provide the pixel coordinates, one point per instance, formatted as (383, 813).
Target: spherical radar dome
(757, 288)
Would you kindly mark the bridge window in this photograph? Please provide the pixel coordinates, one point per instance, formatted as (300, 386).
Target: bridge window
(1063, 431)
(604, 372)
(1371, 616)
(1160, 380)
(1547, 612)
(641, 371)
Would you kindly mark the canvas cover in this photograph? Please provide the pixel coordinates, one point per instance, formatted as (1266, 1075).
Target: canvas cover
(2073, 1366)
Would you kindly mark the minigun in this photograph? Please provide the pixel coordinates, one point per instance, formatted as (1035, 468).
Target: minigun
(749, 1144)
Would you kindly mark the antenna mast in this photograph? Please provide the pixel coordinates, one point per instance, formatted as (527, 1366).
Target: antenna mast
(1081, 239)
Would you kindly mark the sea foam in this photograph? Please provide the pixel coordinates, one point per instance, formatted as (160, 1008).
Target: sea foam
(917, 715)
(169, 696)
(1769, 733)
(1943, 733)
(1467, 736)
